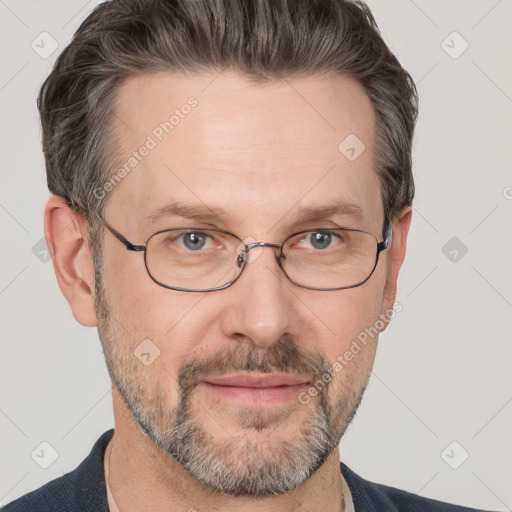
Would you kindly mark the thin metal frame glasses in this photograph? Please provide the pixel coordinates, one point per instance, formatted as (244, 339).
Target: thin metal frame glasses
(242, 253)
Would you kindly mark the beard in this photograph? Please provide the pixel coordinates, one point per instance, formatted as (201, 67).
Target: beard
(254, 463)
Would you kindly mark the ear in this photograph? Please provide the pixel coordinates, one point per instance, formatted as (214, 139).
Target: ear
(396, 255)
(65, 233)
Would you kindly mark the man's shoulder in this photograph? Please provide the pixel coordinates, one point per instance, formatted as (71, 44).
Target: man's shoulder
(373, 497)
(79, 490)
(404, 500)
(83, 490)
(56, 495)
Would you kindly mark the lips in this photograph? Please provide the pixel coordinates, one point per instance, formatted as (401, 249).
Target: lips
(256, 380)
(256, 390)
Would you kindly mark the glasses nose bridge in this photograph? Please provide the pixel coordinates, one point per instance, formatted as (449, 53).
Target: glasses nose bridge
(248, 247)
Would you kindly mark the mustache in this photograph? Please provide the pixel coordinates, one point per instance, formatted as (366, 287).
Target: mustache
(284, 356)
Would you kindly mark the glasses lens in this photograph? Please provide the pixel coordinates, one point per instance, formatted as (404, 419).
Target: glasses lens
(330, 259)
(193, 259)
(200, 260)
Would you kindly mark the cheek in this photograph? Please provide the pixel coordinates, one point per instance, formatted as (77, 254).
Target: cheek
(174, 321)
(348, 313)
(351, 348)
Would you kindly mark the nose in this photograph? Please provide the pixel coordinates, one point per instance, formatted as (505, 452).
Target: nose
(261, 308)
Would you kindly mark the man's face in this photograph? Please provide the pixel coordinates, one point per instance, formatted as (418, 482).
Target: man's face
(257, 156)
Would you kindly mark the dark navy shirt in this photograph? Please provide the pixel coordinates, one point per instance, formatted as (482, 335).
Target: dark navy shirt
(83, 490)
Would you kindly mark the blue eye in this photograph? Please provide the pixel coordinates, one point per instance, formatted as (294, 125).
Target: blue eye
(320, 240)
(194, 240)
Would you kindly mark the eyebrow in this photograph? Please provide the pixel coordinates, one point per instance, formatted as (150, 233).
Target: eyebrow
(212, 215)
(187, 211)
(329, 211)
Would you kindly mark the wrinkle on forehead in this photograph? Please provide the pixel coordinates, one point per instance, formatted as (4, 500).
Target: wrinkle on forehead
(257, 148)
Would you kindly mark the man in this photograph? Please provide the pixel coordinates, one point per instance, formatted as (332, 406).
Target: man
(232, 195)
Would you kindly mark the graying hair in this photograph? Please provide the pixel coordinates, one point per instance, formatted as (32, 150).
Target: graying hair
(262, 39)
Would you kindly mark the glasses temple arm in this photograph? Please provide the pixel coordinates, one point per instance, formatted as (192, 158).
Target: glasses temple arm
(120, 237)
(386, 243)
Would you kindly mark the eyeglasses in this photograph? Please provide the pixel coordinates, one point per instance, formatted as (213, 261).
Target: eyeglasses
(204, 260)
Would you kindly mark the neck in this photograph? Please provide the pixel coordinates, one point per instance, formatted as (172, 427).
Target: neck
(140, 476)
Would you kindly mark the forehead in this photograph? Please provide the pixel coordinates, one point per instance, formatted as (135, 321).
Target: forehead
(259, 152)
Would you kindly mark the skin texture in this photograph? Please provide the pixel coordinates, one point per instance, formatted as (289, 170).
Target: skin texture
(257, 155)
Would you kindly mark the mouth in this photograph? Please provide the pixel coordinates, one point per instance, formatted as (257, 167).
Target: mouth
(257, 389)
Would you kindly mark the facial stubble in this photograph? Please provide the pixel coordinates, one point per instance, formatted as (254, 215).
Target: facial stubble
(259, 462)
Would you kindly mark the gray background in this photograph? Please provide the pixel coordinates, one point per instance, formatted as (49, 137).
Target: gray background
(442, 374)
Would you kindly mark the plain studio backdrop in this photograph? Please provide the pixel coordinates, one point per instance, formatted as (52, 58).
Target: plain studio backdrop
(437, 416)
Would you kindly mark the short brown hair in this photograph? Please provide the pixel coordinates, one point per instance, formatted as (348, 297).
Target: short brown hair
(262, 39)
